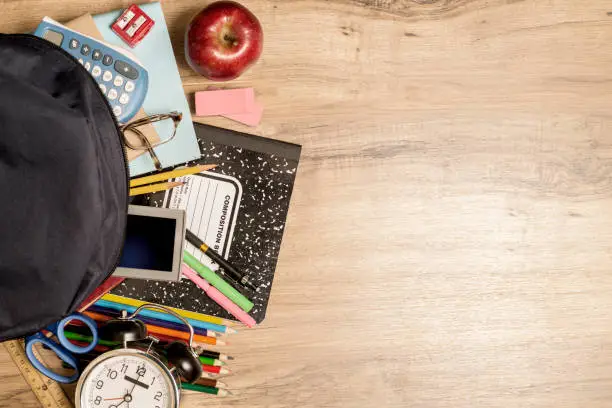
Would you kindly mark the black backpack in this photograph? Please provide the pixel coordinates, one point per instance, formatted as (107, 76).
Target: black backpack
(64, 185)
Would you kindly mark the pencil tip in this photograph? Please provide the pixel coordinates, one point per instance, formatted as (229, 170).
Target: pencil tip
(221, 343)
(230, 357)
(229, 330)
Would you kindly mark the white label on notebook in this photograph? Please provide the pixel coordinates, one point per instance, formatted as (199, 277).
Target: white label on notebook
(211, 202)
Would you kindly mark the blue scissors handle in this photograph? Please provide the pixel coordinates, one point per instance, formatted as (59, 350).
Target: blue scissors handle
(61, 336)
(64, 349)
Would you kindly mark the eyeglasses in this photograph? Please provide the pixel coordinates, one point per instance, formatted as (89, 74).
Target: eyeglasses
(141, 142)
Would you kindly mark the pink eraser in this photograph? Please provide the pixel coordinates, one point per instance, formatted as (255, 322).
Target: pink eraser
(251, 118)
(224, 101)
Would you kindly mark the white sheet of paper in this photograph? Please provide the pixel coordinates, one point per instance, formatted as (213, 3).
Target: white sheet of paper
(211, 202)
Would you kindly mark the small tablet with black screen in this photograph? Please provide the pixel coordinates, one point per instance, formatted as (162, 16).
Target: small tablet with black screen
(153, 245)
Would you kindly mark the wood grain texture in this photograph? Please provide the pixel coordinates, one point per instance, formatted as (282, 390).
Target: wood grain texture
(449, 239)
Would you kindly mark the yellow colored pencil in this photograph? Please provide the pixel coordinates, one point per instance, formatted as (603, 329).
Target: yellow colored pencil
(167, 175)
(153, 188)
(185, 313)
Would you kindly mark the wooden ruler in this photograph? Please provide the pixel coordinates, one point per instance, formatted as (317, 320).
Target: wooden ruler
(48, 392)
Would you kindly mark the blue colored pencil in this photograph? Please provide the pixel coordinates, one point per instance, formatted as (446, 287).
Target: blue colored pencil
(148, 320)
(161, 316)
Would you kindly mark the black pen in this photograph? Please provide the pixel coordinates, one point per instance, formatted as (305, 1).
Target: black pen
(241, 278)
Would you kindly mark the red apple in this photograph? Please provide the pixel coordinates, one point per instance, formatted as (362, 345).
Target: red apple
(223, 40)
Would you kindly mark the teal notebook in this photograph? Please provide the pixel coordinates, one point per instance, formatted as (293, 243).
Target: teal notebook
(165, 92)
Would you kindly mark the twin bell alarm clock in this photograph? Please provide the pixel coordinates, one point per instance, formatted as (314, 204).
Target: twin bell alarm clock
(136, 376)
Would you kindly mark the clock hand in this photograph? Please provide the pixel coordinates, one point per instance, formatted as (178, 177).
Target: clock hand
(136, 382)
(112, 399)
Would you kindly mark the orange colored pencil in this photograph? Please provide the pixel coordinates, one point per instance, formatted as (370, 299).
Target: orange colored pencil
(169, 333)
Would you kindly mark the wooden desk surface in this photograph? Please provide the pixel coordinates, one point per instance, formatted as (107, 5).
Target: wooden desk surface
(449, 238)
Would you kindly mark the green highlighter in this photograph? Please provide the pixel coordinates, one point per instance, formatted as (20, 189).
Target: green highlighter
(218, 282)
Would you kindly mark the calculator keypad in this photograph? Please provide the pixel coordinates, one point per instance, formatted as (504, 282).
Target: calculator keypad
(112, 94)
(124, 99)
(85, 49)
(107, 60)
(126, 70)
(117, 82)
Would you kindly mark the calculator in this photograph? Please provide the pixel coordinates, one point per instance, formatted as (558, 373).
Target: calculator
(122, 79)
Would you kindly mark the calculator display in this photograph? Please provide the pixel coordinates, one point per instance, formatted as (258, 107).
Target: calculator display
(54, 37)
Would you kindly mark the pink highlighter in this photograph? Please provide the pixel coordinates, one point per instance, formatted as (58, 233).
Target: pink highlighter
(217, 296)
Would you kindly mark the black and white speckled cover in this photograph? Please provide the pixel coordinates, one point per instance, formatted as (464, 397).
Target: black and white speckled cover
(266, 169)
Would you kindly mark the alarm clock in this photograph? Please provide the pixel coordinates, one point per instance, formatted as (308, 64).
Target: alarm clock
(137, 377)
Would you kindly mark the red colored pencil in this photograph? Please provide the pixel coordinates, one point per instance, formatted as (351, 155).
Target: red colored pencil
(99, 349)
(215, 369)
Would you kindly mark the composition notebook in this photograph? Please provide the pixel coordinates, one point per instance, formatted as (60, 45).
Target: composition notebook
(239, 209)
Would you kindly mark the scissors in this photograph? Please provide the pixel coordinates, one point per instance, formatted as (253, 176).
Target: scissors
(63, 348)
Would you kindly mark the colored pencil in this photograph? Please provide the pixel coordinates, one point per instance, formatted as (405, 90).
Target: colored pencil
(153, 188)
(99, 349)
(167, 175)
(207, 382)
(106, 286)
(216, 281)
(239, 277)
(217, 296)
(161, 316)
(71, 335)
(204, 389)
(196, 344)
(184, 313)
(154, 322)
(215, 354)
(215, 369)
(207, 379)
(163, 333)
(211, 361)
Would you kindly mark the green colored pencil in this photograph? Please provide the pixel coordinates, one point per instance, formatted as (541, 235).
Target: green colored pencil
(81, 337)
(205, 389)
(211, 361)
(218, 282)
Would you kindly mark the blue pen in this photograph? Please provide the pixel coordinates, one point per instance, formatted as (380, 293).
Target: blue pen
(161, 316)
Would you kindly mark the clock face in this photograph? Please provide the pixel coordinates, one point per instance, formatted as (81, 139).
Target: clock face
(126, 379)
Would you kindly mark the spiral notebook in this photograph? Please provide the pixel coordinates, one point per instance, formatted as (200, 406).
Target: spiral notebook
(239, 209)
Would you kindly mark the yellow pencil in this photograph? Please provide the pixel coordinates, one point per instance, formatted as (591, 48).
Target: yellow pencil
(185, 313)
(167, 175)
(154, 188)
